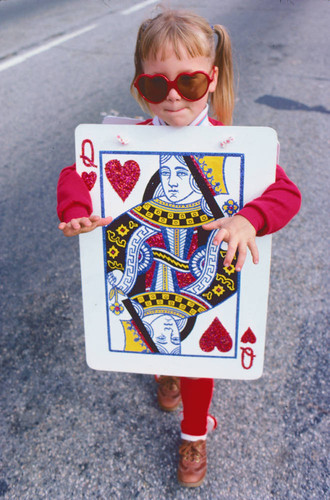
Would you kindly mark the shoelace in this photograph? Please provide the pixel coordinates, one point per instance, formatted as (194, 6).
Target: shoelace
(169, 383)
(191, 450)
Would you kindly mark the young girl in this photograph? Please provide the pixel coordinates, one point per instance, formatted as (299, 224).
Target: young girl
(182, 64)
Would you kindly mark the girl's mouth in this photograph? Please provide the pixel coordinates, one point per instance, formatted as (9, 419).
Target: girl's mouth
(174, 110)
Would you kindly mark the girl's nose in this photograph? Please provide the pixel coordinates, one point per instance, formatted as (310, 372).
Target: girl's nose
(173, 95)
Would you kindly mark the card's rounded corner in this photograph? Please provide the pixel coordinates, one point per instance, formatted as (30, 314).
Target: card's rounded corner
(78, 128)
(256, 376)
(272, 132)
(91, 363)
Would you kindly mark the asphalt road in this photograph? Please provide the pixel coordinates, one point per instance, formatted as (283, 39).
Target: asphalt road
(70, 433)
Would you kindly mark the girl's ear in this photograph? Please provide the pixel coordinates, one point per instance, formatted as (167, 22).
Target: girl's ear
(214, 82)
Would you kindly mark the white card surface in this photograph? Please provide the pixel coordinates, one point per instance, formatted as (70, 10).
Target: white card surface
(156, 296)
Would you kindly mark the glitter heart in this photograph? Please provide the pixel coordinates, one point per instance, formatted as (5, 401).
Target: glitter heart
(122, 177)
(248, 336)
(216, 336)
(89, 179)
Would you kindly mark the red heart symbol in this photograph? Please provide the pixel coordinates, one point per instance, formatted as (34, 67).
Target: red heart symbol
(89, 179)
(122, 177)
(248, 336)
(216, 336)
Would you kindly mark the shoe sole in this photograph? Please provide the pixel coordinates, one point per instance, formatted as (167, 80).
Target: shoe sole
(191, 485)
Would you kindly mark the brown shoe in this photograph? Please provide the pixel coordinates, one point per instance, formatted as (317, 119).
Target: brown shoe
(193, 463)
(168, 392)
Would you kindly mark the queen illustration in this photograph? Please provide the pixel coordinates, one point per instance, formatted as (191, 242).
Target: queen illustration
(162, 268)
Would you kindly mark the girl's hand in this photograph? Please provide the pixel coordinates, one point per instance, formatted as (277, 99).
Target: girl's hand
(240, 235)
(83, 225)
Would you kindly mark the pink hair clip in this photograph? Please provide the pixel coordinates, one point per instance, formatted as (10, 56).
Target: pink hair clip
(122, 140)
(227, 141)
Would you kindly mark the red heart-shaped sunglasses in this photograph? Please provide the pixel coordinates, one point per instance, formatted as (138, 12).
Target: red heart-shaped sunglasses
(190, 86)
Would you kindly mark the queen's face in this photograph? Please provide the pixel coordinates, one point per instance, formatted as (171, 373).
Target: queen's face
(166, 334)
(175, 179)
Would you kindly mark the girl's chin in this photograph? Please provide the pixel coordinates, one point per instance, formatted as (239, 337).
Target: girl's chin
(177, 119)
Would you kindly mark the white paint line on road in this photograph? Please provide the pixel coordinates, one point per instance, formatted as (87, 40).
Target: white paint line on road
(138, 6)
(12, 61)
(17, 59)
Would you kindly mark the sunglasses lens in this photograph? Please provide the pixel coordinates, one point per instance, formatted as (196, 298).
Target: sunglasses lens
(154, 88)
(193, 87)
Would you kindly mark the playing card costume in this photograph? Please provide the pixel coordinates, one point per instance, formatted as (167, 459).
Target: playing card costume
(169, 262)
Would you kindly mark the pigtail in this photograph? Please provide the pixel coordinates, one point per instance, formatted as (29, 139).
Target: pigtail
(139, 56)
(222, 99)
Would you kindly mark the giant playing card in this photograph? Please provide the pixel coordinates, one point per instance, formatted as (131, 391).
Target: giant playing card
(157, 297)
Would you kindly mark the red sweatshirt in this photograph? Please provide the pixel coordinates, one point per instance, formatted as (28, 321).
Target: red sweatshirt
(268, 213)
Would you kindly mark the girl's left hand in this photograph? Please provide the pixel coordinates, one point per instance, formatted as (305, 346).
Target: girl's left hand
(239, 234)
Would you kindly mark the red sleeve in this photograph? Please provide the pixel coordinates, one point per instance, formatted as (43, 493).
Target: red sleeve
(73, 198)
(278, 204)
(146, 122)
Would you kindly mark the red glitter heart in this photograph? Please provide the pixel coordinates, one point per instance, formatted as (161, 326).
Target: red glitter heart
(89, 179)
(122, 177)
(248, 336)
(216, 336)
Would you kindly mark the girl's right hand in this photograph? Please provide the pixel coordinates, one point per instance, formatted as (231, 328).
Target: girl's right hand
(83, 225)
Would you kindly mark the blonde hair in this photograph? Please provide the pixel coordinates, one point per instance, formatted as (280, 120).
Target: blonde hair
(186, 30)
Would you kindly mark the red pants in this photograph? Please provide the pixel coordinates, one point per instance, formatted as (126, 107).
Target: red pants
(196, 399)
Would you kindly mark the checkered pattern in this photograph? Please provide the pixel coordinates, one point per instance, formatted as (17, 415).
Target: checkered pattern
(160, 300)
(172, 218)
